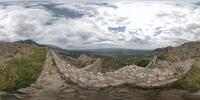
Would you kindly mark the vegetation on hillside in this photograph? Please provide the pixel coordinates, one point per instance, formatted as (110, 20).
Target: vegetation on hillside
(23, 68)
(191, 81)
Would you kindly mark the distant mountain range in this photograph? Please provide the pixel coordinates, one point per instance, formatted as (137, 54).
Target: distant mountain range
(31, 42)
(115, 51)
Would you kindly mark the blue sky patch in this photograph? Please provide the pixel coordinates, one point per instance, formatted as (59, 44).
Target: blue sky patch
(58, 12)
(117, 29)
(158, 31)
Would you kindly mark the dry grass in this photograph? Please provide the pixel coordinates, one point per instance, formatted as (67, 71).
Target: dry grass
(191, 81)
(22, 69)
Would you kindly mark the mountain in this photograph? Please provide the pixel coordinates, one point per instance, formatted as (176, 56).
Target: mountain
(121, 51)
(30, 42)
(103, 51)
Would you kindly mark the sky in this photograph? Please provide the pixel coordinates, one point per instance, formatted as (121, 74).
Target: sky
(92, 24)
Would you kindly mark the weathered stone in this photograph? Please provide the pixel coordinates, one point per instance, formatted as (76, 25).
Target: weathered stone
(134, 75)
(28, 90)
(100, 85)
(92, 82)
(93, 77)
(123, 90)
(161, 78)
(83, 80)
(50, 77)
(3, 93)
(69, 90)
(18, 96)
(95, 67)
(117, 83)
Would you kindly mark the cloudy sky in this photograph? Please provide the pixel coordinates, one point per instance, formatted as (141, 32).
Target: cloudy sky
(90, 24)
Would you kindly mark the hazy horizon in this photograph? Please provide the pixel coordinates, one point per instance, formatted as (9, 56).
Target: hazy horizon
(89, 24)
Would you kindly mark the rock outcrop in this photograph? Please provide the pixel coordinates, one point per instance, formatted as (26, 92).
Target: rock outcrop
(189, 50)
(7, 48)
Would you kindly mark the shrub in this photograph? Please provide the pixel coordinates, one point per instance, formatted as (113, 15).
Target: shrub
(142, 62)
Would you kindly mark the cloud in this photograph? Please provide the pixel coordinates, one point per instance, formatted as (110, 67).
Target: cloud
(105, 24)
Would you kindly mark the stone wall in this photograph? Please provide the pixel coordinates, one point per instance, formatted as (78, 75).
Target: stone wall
(50, 78)
(95, 67)
(83, 60)
(132, 75)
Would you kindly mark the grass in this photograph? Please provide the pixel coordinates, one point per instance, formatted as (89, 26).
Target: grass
(191, 81)
(22, 69)
(142, 62)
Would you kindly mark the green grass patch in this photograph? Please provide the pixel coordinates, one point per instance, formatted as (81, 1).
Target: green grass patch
(23, 69)
(191, 81)
(142, 62)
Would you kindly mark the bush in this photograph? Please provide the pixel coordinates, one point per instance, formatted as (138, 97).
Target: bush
(142, 62)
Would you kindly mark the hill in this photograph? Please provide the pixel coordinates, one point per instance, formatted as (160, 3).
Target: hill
(31, 42)
(28, 41)
(180, 53)
(189, 50)
(20, 64)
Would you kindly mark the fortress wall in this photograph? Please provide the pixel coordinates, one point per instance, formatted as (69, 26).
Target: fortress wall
(132, 75)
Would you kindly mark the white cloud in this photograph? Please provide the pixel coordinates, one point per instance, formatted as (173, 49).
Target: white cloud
(146, 25)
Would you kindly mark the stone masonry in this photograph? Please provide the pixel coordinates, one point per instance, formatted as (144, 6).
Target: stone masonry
(133, 75)
(57, 73)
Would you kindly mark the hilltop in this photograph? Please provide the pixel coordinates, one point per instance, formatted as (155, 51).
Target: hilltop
(180, 53)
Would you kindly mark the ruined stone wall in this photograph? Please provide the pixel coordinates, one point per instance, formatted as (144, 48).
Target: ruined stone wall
(132, 75)
(95, 67)
(82, 61)
(50, 78)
